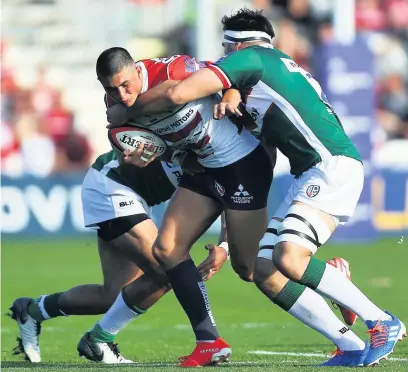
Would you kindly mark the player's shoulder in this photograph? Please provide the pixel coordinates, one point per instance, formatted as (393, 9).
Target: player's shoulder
(269, 52)
(176, 67)
(244, 55)
(160, 69)
(249, 54)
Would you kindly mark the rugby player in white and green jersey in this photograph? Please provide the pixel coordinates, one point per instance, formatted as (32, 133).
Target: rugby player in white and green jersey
(116, 202)
(293, 114)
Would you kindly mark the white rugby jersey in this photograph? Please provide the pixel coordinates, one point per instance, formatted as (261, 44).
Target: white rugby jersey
(217, 143)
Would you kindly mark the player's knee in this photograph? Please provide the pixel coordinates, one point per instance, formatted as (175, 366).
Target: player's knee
(156, 273)
(290, 259)
(160, 253)
(306, 228)
(244, 271)
(261, 271)
(267, 278)
(281, 256)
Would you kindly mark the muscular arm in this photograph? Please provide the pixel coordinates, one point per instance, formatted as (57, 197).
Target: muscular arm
(172, 93)
(153, 101)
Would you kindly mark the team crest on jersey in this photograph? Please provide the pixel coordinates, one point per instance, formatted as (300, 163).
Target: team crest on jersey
(219, 188)
(191, 64)
(312, 191)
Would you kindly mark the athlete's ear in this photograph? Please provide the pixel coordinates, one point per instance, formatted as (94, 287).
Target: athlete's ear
(239, 46)
(139, 71)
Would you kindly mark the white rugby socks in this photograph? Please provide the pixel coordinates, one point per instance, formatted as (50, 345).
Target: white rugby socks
(312, 310)
(117, 317)
(337, 287)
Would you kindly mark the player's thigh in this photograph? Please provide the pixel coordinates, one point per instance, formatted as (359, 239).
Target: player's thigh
(245, 229)
(322, 197)
(106, 200)
(301, 233)
(118, 270)
(136, 244)
(121, 217)
(188, 215)
(332, 187)
(244, 186)
(306, 228)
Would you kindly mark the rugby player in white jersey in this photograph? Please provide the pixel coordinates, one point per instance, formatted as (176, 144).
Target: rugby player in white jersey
(116, 201)
(236, 179)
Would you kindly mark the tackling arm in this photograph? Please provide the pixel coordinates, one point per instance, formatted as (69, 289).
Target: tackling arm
(172, 93)
(153, 101)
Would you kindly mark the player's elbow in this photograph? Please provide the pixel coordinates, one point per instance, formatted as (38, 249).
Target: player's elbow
(175, 97)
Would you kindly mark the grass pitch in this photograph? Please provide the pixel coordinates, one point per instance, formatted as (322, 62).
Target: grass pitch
(262, 336)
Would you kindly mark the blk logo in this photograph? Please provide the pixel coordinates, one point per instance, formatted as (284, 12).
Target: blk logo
(343, 330)
(126, 203)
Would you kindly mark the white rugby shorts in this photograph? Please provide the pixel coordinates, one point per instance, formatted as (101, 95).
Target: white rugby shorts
(104, 199)
(333, 187)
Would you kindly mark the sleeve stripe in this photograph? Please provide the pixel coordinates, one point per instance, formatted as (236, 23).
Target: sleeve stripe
(221, 75)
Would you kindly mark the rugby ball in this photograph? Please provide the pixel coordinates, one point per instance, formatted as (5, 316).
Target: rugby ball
(129, 138)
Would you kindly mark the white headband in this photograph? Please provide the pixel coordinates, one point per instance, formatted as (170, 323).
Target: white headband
(243, 36)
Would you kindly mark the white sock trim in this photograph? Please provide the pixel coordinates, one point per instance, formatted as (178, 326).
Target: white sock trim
(42, 308)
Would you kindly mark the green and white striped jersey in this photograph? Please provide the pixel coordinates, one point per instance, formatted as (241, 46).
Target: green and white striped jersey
(288, 105)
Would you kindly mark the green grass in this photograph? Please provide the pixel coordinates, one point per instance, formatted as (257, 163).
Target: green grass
(245, 318)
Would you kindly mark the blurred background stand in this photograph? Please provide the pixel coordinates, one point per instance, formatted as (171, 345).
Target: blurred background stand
(53, 115)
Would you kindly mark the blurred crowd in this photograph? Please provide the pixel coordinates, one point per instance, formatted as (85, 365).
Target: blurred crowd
(37, 130)
(303, 24)
(38, 135)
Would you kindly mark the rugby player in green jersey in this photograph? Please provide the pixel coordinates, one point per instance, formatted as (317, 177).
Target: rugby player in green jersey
(292, 113)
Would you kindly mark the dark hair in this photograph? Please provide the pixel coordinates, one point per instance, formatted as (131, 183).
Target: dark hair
(112, 60)
(248, 20)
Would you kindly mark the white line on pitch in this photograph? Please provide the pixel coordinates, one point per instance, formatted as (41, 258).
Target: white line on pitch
(319, 355)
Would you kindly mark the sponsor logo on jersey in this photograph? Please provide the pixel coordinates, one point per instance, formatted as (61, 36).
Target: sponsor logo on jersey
(219, 188)
(312, 191)
(126, 203)
(177, 123)
(241, 196)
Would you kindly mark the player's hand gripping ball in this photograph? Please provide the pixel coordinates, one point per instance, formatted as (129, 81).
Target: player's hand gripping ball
(137, 146)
